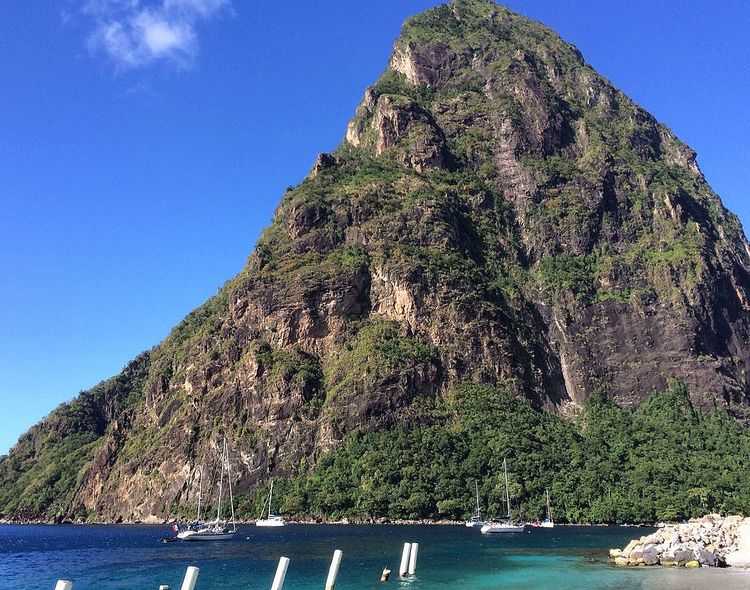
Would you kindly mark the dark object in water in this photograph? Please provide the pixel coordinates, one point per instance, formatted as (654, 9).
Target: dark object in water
(168, 539)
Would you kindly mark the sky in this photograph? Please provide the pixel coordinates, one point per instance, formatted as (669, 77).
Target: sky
(144, 145)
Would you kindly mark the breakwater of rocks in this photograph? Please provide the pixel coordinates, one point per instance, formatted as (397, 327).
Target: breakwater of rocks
(709, 541)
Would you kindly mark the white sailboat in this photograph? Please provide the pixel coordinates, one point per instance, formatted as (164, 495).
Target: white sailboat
(505, 525)
(272, 519)
(476, 520)
(215, 530)
(548, 523)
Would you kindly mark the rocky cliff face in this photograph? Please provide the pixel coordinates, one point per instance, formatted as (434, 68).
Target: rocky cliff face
(497, 213)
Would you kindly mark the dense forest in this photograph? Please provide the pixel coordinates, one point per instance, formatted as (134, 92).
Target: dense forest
(666, 460)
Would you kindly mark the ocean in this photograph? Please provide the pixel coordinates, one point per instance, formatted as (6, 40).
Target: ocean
(109, 557)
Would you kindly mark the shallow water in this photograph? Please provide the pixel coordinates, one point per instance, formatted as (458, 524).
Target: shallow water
(113, 557)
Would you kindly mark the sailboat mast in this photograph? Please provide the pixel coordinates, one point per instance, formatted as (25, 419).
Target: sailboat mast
(476, 484)
(221, 487)
(507, 493)
(270, 496)
(200, 493)
(549, 511)
(229, 479)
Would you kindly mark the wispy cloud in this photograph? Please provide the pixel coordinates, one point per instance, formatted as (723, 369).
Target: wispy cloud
(137, 33)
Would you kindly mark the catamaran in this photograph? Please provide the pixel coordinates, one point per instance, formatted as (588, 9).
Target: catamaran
(215, 530)
(548, 523)
(272, 519)
(476, 520)
(504, 525)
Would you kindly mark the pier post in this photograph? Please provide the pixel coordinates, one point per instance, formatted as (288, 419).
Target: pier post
(191, 575)
(333, 571)
(413, 558)
(403, 569)
(278, 579)
(64, 585)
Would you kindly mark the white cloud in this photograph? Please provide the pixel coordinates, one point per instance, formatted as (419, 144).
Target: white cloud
(137, 33)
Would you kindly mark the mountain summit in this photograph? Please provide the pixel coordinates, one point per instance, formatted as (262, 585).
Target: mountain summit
(497, 215)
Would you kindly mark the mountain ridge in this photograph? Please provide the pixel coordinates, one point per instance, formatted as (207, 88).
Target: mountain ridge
(497, 215)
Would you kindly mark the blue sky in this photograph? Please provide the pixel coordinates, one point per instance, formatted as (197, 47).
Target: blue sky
(145, 144)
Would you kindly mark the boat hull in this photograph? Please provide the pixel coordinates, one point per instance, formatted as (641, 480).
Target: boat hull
(269, 522)
(206, 536)
(491, 529)
(547, 524)
(474, 524)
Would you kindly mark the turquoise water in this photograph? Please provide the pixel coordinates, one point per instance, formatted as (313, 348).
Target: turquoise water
(113, 557)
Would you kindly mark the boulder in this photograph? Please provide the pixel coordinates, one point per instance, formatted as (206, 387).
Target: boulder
(650, 555)
(707, 558)
(682, 556)
(629, 547)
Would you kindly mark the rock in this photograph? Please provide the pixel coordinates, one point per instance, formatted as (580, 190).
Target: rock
(322, 162)
(615, 553)
(629, 547)
(467, 151)
(650, 555)
(707, 558)
(692, 564)
(622, 561)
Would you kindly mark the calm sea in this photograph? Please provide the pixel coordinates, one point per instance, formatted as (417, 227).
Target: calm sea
(98, 557)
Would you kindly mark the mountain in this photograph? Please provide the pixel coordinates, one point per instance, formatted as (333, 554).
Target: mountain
(504, 253)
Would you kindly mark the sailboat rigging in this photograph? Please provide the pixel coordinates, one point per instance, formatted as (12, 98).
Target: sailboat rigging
(271, 519)
(505, 525)
(216, 530)
(476, 520)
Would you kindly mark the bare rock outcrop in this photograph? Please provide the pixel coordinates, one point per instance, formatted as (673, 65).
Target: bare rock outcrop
(710, 541)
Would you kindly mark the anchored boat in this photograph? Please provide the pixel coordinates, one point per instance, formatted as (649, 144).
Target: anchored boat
(272, 519)
(476, 521)
(504, 525)
(218, 529)
(548, 523)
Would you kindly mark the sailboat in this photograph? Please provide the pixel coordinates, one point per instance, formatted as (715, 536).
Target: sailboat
(215, 530)
(548, 523)
(505, 525)
(272, 519)
(476, 520)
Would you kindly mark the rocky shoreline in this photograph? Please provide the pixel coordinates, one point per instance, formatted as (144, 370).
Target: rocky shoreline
(709, 541)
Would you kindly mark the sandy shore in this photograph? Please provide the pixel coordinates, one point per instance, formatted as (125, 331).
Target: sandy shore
(659, 578)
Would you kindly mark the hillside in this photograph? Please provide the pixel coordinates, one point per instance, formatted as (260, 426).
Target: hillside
(504, 255)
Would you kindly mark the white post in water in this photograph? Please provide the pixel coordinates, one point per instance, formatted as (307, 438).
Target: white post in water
(64, 585)
(333, 571)
(278, 579)
(191, 575)
(404, 560)
(413, 558)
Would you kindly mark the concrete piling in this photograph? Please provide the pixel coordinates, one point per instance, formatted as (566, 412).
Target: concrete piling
(404, 567)
(278, 579)
(191, 575)
(413, 558)
(333, 571)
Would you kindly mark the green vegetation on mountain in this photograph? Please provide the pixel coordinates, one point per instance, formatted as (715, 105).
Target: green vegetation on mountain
(666, 460)
(504, 256)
